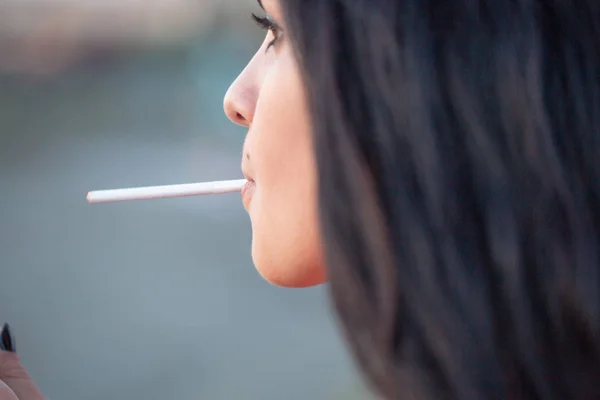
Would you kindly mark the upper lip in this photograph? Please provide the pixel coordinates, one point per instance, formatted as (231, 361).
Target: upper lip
(247, 173)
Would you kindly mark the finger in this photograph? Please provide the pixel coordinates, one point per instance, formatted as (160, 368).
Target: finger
(12, 372)
(6, 393)
(16, 377)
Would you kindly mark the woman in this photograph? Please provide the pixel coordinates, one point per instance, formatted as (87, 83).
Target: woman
(435, 160)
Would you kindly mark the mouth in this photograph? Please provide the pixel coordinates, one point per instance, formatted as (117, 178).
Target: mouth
(247, 193)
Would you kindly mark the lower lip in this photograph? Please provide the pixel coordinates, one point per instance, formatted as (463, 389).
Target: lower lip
(247, 192)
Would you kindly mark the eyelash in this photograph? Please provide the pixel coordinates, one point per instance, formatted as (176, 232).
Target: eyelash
(268, 24)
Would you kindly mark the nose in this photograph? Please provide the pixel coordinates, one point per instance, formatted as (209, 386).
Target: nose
(240, 100)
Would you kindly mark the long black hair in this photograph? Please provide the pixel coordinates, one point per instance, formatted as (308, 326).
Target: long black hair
(458, 150)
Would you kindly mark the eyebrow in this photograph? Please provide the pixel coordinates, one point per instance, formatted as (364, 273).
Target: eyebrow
(260, 4)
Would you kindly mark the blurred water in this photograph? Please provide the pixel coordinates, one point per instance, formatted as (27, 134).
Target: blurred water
(146, 300)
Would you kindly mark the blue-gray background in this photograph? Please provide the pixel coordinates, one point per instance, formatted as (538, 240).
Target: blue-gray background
(146, 300)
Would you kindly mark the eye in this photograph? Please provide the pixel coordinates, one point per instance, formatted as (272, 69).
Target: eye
(268, 24)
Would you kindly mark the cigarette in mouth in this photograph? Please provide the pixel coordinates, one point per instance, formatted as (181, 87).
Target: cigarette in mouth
(167, 191)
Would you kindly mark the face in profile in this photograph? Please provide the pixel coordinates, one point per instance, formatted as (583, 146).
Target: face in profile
(278, 160)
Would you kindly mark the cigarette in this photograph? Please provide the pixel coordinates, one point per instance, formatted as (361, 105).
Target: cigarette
(166, 191)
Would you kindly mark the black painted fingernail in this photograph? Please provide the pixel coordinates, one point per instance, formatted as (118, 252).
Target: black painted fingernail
(7, 342)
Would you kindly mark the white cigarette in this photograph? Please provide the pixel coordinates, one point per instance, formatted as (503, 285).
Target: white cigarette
(167, 191)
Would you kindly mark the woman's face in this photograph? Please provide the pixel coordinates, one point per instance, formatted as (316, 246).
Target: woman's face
(278, 160)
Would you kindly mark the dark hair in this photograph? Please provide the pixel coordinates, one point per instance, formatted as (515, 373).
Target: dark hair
(458, 150)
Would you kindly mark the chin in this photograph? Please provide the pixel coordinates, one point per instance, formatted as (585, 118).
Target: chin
(293, 282)
(295, 272)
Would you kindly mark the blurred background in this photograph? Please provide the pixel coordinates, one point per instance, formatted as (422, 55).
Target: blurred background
(145, 300)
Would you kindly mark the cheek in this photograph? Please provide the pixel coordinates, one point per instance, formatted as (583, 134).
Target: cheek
(286, 244)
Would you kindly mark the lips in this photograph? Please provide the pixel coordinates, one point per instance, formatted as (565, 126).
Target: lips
(247, 193)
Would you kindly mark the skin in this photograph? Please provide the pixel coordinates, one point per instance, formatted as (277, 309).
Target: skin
(268, 98)
(15, 382)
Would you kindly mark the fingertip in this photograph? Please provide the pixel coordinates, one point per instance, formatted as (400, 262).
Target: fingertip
(7, 341)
